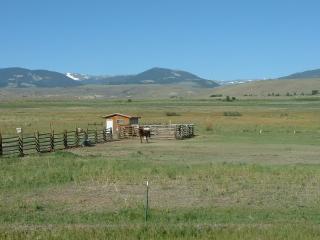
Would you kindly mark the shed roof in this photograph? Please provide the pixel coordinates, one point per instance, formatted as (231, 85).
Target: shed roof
(119, 114)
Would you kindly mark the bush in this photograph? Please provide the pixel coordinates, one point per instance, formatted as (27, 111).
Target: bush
(170, 114)
(230, 99)
(232, 114)
(315, 92)
(216, 95)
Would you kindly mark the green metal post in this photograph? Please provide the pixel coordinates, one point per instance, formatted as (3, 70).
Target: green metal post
(147, 203)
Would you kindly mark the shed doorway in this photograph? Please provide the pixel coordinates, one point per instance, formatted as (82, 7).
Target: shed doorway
(109, 124)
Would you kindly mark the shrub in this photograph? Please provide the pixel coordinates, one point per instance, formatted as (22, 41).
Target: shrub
(216, 95)
(170, 114)
(315, 92)
(230, 99)
(232, 114)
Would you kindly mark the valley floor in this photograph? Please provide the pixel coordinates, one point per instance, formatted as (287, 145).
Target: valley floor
(251, 174)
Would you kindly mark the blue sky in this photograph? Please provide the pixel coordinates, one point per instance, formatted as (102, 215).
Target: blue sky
(226, 39)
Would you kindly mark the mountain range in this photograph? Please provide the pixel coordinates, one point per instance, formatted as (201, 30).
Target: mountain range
(22, 78)
(297, 84)
(303, 75)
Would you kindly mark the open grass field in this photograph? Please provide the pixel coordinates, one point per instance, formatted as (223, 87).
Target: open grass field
(246, 175)
(89, 92)
(266, 88)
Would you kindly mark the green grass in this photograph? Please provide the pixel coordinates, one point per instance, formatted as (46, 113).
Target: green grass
(229, 182)
(187, 231)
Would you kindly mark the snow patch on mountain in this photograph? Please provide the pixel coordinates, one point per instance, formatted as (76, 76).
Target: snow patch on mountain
(70, 75)
(176, 74)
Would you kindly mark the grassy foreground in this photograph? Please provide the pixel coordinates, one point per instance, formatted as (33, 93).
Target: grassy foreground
(229, 182)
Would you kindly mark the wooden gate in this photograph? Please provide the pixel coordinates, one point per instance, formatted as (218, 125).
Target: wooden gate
(171, 131)
(162, 131)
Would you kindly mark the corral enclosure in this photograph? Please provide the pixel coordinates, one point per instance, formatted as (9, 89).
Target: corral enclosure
(22, 144)
(252, 171)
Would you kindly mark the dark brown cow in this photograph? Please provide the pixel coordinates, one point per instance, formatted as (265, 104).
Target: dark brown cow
(144, 133)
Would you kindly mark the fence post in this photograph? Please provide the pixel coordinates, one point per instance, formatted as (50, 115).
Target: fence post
(37, 141)
(65, 139)
(180, 132)
(20, 142)
(86, 138)
(176, 131)
(110, 134)
(52, 140)
(96, 136)
(1, 149)
(76, 138)
(189, 131)
(104, 134)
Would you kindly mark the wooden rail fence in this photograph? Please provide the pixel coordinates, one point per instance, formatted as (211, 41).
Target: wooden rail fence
(183, 131)
(49, 142)
(172, 131)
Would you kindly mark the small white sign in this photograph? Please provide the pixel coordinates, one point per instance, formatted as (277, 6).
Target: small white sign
(19, 130)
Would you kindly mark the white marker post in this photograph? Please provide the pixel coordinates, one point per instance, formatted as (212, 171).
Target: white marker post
(20, 141)
(19, 130)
